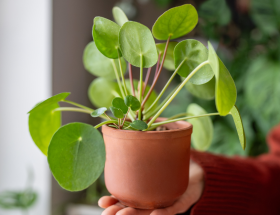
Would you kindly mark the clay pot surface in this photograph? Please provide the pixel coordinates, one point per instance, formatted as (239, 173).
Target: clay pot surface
(150, 169)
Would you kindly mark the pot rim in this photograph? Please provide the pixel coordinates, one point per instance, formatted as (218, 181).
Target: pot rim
(185, 129)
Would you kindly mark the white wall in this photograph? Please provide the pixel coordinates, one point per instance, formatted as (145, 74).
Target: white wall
(25, 79)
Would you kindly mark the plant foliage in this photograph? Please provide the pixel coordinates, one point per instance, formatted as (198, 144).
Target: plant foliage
(76, 151)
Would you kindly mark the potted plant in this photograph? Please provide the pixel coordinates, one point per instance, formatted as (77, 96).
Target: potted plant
(144, 153)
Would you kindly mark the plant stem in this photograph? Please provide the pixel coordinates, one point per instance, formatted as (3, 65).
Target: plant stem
(131, 79)
(131, 116)
(179, 115)
(118, 77)
(121, 70)
(147, 79)
(109, 118)
(119, 122)
(161, 104)
(78, 105)
(179, 119)
(157, 67)
(126, 127)
(105, 122)
(113, 126)
(140, 88)
(125, 116)
(157, 75)
(166, 85)
(73, 109)
(77, 110)
(177, 91)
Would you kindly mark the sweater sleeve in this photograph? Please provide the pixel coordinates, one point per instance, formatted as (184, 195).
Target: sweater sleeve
(241, 185)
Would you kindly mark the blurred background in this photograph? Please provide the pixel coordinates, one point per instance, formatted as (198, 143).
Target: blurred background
(41, 49)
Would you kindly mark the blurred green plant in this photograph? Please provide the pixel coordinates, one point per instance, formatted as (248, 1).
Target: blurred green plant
(20, 200)
(252, 54)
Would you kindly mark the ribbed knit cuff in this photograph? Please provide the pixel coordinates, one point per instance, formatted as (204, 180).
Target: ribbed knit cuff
(230, 188)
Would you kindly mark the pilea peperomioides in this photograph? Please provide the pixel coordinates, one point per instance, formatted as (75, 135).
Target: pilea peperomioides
(134, 105)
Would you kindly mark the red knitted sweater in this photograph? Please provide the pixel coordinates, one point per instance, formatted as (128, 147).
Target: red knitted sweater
(237, 186)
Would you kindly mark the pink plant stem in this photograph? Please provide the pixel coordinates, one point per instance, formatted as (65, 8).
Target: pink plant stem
(157, 67)
(157, 75)
(147, 79)
(131, 79)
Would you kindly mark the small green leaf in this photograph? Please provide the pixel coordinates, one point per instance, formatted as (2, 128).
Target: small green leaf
(169, 58)
(43, 123)
(106, 37)
(176, 22)
(133, 102)
(203, 91)
(139, 125)
(99, 65)
(76, 156)
(119, 103)
(101, 92)
(136, 40)
(150, 100)
(52, 100)
(119, 16)
(117, 112)
(239, 126)
(98, 112)
(202, 128)
(193, 53)
(225, 90)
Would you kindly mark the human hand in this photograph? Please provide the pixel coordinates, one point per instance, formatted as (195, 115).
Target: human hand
(191, 196)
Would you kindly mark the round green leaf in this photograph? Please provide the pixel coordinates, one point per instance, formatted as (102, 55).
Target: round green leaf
(136, 40)
(150, 100)
(99, 65)
(203, 91)
(117, 112)
(176, 22)
(52, 100)
(98, 112)
(106, 37)
(119, 16)
(169, 58)
(119, 103)
(193, 53)
(76, 156)
(43, 123)
(239, 126)
(139, 125)
(101, 92)
(225, 90)
(133, 102)
(202, 128)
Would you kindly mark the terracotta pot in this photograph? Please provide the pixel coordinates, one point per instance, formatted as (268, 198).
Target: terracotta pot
(148, 170)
